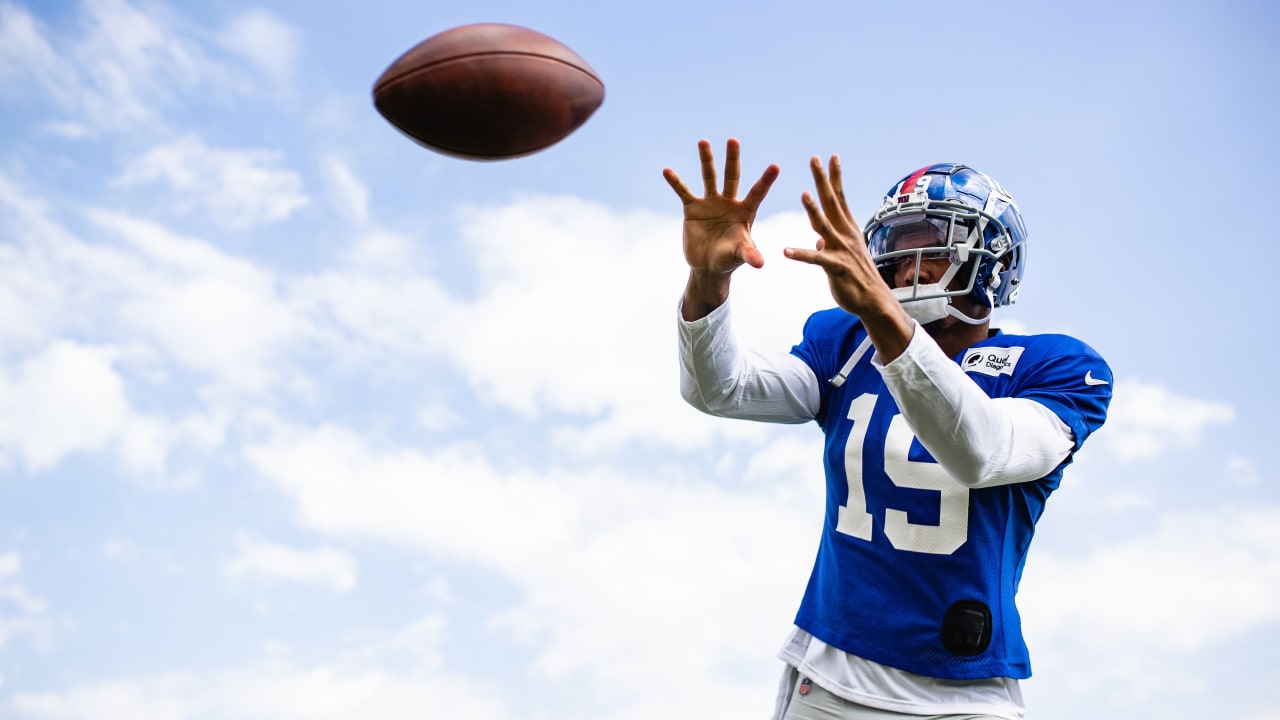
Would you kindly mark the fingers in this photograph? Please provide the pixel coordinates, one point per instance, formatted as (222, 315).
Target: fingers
(708, 168)
(827, 194)
(756, 194)
(819, 222)
(732, 167)
(751, 255)
(837, 183)
(828, 239)
(812, 257)
(682, 191)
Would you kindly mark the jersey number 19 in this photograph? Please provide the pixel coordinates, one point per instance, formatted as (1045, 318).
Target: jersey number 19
(854, 519)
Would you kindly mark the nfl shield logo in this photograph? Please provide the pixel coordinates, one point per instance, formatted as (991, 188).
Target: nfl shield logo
(804, 686)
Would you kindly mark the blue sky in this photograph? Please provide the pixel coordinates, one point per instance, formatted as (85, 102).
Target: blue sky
(300, 420)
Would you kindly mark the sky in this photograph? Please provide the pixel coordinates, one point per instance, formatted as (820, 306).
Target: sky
(300, 420)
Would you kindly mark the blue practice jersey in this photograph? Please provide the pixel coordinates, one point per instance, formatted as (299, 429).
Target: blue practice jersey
(914, 570)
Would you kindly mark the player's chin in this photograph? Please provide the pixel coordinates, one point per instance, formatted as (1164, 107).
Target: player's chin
(937, 326)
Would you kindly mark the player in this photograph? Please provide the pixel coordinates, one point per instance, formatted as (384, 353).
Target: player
(944, 437)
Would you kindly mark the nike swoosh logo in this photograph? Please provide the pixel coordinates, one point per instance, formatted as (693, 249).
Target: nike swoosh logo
(1089, 379)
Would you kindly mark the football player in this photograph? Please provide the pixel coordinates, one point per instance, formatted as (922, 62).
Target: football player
(944, 437)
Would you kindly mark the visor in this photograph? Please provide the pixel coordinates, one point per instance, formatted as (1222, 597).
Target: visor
(916, 236)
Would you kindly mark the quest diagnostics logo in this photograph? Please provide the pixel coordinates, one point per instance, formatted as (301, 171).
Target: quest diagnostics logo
(992, 361)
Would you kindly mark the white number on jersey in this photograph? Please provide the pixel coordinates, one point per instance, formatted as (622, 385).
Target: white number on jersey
(855, 520)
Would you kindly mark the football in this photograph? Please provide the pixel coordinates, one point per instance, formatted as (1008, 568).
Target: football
(488, 92)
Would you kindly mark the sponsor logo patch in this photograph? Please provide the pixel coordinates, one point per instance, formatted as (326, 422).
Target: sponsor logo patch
(992, 361)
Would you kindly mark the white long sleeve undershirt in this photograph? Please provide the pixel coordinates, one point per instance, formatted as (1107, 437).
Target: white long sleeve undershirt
(978, 440)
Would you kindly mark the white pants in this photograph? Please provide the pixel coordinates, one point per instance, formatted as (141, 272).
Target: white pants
(799, 699)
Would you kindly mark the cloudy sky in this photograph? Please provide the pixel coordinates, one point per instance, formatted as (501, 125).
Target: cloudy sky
(299, 420)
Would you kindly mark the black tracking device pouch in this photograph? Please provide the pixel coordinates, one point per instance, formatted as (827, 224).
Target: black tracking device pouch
(966, 628)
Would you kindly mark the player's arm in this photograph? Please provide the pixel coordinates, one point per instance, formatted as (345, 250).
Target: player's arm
(980, 441)
(716, 376)
(720, 378)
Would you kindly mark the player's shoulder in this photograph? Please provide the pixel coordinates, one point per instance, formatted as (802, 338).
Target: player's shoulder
(1043, 344)
(831, 320)
(1041, 355)
(831, 328)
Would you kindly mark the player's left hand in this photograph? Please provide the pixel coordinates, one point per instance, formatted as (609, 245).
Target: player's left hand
(841, 249)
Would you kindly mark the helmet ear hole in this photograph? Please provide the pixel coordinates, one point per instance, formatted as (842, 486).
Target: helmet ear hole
(1011, 258)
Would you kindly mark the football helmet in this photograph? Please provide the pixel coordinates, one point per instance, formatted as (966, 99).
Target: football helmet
(954, 213)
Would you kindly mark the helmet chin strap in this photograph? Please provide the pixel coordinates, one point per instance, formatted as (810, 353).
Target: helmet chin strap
(930, 309)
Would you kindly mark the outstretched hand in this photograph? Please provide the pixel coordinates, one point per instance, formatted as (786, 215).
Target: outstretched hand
(841, 249)
(717, 226)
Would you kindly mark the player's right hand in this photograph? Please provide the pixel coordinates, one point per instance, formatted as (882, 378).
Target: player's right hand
(717, 226)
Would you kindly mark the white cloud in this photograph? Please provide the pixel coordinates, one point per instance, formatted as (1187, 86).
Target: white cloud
(237, 325)
(610, 358)
(235, 188)
(165, 302)
(374, 310)
(68, 398)
(1243, 471)
(358, 683)
(437, 416)
(771, 304)
(260, 558)
(1010, 325)
(120, 550)
(66, 130)
(1145, 608)
(32, 288)
(132, 308)
(346, 193)
(595, 292)
(21, 613)
(267, 42)
(210, 312)
(122, 67)
(26, 54)
(1145, 419)
(586, 286)
(588, 549)
(10, 568)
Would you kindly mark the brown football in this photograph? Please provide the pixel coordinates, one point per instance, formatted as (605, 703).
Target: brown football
(488, 92)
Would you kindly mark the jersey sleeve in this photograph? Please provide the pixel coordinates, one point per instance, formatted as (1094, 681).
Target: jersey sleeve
(980, 441)
(1075, 383)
